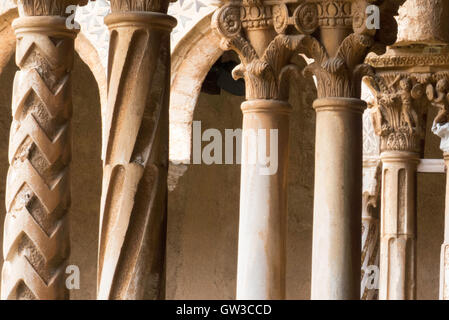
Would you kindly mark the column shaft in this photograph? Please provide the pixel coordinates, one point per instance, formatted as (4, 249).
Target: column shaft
(263, 201)
(36, 241)
(337, 204)
(444, 269)
(398, 226)
(134, 198)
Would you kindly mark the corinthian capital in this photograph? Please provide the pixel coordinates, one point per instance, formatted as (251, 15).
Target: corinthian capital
(267, 61)
(404, 80)
(46, 7)
(334, 33)
(345, 38)
(396, 116)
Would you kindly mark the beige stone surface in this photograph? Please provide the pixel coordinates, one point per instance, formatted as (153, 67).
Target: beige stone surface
(86, 170)
(424, 21)
(204, 204)
(131, 261)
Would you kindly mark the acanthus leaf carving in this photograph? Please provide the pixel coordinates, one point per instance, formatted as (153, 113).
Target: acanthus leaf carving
(139, 5)
(396, 116)
(265, 76)
(47, 7)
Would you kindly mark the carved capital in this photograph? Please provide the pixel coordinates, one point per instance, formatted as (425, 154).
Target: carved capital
(345, 39)
(438, 94)
(404, 82)
(266, 76)
(139, 5)
(396, 116)
(47, 7)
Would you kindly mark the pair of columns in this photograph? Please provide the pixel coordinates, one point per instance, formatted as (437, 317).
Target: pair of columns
(268, 38)
(36, 242)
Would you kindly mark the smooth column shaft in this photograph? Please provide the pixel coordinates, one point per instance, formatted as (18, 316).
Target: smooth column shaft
(263, 200)
(338, 196)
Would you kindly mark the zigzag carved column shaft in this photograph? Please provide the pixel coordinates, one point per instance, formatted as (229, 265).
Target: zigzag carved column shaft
(36, 239)
(133, 211)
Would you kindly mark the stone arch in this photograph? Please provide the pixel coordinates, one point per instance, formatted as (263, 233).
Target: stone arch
(7, 37)
(192, 59)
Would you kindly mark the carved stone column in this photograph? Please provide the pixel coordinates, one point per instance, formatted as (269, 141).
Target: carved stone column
(444, 264)
(131, 261)
(440, 99)
(36, 242)
(398, 119)
(341, 38)
(409, 69)
(397, 122)
(267, 63)
(398, 226)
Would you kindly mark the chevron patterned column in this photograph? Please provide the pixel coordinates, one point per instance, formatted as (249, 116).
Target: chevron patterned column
(36, 242)
(131, 260)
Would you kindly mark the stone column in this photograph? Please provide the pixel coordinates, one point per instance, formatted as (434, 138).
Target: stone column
(370, 206)
(337, 204)
(401, 129)
(263, 201)
(131, 261)
(343, 39)
(36, 242)
(370, 229)
(267, 64)
(444, 264)
(409, 68)
(440, 99)
(398, 226)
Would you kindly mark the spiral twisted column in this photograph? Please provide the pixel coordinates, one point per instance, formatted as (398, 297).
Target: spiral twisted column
(131, 261)
(36, 242)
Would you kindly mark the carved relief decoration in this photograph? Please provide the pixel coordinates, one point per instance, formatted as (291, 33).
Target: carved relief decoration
(338, 69)
(47, 7)
(266, 76)
(438, 95)
(402, 98)
(396, 115)
(139, 5)
(338, 74)
(36, 239)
